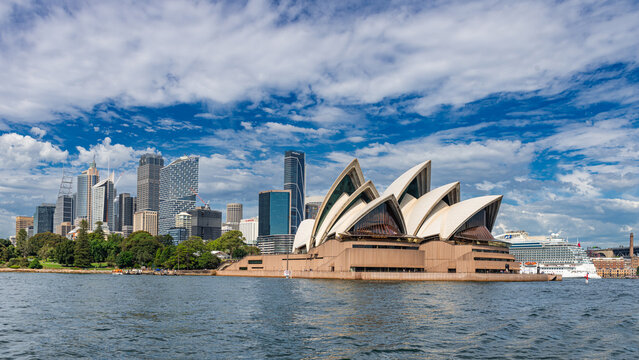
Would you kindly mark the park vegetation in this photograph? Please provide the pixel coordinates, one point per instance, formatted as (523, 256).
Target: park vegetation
(137, 250)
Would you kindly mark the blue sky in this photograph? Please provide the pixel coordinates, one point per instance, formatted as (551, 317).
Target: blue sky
(535, 100)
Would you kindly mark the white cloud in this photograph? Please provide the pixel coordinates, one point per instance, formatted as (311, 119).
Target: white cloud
(23, 151)
(455, 52)
(37, 132)
(108, 154)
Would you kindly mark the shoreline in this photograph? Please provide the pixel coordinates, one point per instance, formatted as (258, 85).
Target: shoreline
(108, 272)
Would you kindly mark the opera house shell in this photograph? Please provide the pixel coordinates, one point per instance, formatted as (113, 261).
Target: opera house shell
(408, 232)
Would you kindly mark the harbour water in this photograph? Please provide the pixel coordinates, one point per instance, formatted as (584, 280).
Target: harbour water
(103, 316)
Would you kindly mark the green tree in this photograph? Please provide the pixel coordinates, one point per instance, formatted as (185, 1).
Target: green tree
(252, 250)
(8, 252)
(143, 246)
(165, 240)
(98, 230)
(41, 240)
(163, 255)
(228, 243)
(187, 254)
(99, 248)
(124, 260)
(208, 261)
(35, 264)
(82, 253)
(21, 242)
(4, 243)
(64, 253)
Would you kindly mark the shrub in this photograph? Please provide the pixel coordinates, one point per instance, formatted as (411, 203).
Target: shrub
(35, 264)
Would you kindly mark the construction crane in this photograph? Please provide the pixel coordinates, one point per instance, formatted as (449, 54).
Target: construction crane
(206, 203)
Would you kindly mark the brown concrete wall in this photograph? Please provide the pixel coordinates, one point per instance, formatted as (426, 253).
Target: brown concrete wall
(394, 276)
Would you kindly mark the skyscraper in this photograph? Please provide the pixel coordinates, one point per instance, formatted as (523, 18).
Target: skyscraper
(178, 186)
(63, 212)
(43, 218)
(295, 181)
(206, 223)
(233, 215)
(274, 235)
(149, 182)
(124, 211)
(86, 180)
(103, 194)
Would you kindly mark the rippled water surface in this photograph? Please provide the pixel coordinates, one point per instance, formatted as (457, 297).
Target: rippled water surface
(105, 316)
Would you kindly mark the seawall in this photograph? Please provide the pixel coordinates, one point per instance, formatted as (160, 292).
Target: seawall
(394, 276)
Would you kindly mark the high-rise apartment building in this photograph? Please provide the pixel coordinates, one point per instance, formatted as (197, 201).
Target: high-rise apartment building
(124, 212)
(249, 229)
(86, 180)
(233, 215)
(43, 218)
(274, 223)
(148, 197)
(184, 220)
(178, 188)
(146, 220)
(23, 222)
(103, 194)
(295, 181)
(206, 223)
(63, 212)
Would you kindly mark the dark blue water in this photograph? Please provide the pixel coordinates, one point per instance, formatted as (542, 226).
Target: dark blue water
(105, 316)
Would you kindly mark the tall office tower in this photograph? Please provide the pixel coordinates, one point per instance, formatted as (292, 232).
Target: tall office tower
(178, 188)
(311, 208)
(149, 182)
(206, 223)
(86, 180)
(249, 229)
(295, 181)
(63, 212)
(124, 211)
(184, 220)
(43, 218)
(233, 215)
(275, 222)
(146, 220)
(103, 194)
(23, 222)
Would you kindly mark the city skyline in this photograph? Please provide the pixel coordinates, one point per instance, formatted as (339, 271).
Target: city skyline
(553, 102)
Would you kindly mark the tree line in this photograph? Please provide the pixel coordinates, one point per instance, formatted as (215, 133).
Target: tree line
(136, 250)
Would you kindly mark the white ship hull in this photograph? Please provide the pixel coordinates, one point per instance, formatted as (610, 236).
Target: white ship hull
(566, 271)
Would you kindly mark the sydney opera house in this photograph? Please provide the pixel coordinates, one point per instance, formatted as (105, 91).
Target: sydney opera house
(409, 232)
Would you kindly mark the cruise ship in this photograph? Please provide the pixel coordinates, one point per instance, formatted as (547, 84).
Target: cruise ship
(549, 255)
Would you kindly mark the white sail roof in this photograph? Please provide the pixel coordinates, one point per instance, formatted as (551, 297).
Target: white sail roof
(449, 219)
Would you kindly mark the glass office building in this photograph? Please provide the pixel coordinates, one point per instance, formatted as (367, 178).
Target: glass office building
(43, 218)
(148, 197)
(295, 182)
(275, 220)
(178, 188)
(64, 212)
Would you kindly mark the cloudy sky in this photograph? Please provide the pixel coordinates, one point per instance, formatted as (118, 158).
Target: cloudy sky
(535, 100)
